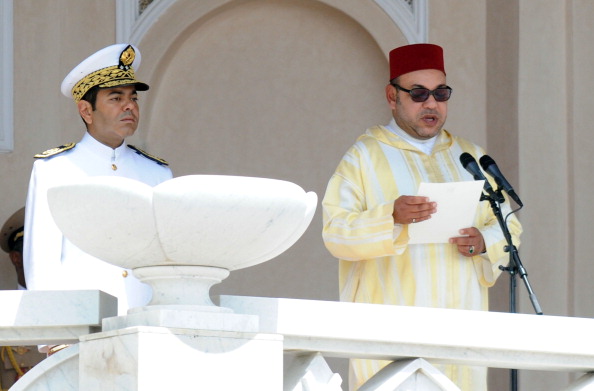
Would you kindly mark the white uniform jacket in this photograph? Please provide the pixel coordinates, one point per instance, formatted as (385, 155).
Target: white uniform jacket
(51, 261)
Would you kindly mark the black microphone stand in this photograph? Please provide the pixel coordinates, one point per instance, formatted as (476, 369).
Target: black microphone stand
(514, 268)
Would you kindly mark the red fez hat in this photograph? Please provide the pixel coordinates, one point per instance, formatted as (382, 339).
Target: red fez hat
(415, 57)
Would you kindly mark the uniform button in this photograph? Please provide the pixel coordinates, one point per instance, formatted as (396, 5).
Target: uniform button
(125, 273)
(114, 167)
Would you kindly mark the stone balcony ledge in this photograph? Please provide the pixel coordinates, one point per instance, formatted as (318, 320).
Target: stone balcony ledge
(52, 317)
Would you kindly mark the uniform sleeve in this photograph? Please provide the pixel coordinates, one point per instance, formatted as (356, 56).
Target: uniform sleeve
(42, 240)
(168, 175)
(160, 175)
(163, 174)
(351, 231)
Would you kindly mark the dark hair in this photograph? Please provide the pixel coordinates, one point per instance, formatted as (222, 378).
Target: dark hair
(18, 246)
(15, 243)
(91, 96)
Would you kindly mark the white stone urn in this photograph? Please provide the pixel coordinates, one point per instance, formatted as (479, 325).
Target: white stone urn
(186, 234)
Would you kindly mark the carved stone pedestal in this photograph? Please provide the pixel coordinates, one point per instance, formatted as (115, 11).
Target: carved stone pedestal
(158, 358)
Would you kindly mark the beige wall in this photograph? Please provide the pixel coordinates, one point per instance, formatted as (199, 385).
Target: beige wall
(282, 89)
(459, 27)
(555, 77)
(580, 184)
(50, 37)
(270, 89)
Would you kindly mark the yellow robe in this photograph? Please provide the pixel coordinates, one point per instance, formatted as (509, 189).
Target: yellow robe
(375, 267)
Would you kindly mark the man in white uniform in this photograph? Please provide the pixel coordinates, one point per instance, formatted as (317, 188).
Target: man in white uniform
(104, 88)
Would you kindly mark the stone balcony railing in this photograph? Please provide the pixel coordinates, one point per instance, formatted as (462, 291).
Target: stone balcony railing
(181, 349)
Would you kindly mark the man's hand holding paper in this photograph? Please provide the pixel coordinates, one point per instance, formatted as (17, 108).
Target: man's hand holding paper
(443, 213)
(413, 209)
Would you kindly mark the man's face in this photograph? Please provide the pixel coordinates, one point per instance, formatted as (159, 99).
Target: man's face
(421, 120)
(16, 257)
(115, 117)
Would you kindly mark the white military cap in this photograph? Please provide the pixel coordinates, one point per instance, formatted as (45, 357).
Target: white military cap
(109, 67)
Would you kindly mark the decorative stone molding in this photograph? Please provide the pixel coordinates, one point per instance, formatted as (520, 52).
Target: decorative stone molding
(6, 73)
(142, 4)
(409, 374)
(310, 372)
(135, 17)
(411, 16)
(127, 12)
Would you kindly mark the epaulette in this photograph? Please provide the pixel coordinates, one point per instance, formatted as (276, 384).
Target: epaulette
(149, 156)
(54, 151)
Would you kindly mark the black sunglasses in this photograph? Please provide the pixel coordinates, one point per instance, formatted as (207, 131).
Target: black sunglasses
(441, 94)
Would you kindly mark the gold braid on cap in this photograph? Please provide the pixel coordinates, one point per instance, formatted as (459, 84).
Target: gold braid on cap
(112, 76)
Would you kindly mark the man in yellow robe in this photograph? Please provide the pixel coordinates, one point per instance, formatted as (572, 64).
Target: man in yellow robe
(370, 202)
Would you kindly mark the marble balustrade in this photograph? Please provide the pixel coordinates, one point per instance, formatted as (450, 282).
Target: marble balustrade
(318, 329)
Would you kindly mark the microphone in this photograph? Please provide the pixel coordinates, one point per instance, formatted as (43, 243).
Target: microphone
(470, 164)
(490, 166)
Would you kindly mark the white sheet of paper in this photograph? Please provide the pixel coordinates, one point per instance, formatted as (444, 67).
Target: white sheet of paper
(456, 208)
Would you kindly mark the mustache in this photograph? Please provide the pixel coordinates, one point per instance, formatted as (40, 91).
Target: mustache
(429, 112)
(127, 114)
